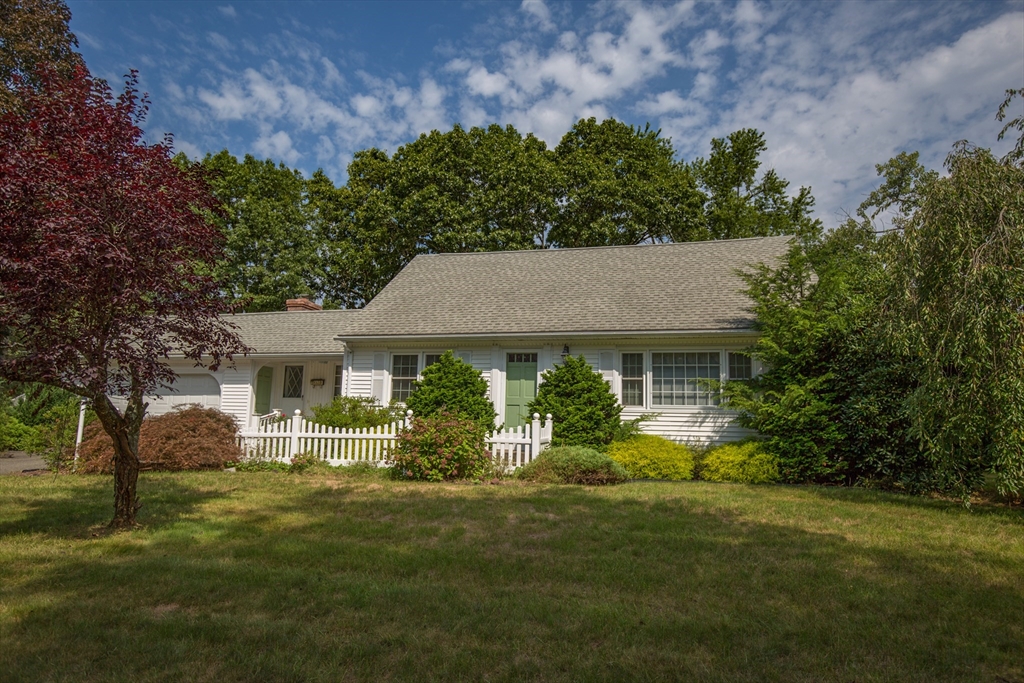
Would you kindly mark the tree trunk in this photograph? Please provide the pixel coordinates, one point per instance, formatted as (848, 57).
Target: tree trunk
(124, 432)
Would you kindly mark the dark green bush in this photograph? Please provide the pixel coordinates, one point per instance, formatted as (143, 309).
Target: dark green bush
(452, 385)
(355, 412)
(653, 457)
(573, 465)
(440, 447)
(585, 410)
(747, 462)
(14, 436)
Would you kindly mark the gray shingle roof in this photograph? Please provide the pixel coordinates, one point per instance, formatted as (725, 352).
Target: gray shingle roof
(646, 288)
(288, 332)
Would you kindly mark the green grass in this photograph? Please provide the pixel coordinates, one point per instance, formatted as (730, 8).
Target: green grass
(274, 577)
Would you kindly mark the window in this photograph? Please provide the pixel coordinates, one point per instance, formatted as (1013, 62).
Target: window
(293, 381)
(740, 366)
(337, 380)
(522, 358)
(632, 379)
(683, 379)
(429, 359)
(404, 369)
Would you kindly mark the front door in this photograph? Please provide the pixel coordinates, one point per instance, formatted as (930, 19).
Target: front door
(264, 385)
(520, 387)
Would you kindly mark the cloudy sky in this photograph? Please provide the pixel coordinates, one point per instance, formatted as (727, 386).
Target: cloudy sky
(836, 87)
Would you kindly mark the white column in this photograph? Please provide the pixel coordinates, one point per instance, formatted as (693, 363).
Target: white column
(296, 426)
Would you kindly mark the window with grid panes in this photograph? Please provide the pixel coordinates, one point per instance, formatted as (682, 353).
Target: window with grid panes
(740, 366)
(293, 381)
(404, 369)
(337, 380)
(430, 358)
(632, 379)
(683, 379)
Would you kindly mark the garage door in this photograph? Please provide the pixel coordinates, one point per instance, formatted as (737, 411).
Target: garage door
(201, 389)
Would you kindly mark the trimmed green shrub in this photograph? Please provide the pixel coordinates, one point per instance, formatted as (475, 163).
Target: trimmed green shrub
(14, 436)
(355, 412)
(440, 447)
(585, 410)
(573, 465)
(653, 457)
(452, 385)
(746, 462)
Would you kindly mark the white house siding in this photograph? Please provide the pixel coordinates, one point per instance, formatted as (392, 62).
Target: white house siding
(236, 391)
(679, 423)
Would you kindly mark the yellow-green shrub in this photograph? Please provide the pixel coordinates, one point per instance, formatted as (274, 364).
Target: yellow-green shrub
(653, 457)
(744, 463)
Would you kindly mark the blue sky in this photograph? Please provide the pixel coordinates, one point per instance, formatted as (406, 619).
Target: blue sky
(836, 87)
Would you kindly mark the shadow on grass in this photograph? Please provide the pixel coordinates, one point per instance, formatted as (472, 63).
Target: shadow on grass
(358, 580)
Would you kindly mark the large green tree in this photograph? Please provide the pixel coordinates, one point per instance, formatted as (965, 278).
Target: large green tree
(739, 204)
(269, 254)
(618, 184)
(955, 263)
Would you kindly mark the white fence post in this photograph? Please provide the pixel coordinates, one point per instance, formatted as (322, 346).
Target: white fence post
(535, 436)
(408, 419)
(296, 428)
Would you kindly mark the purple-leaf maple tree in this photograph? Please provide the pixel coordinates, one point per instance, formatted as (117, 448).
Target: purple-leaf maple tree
(106, 250)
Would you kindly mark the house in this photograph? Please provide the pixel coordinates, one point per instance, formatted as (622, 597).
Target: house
(654, 320)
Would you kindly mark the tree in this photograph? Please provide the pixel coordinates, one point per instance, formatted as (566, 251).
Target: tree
(452, 386)
(617, 185)
(105, 254)
(269, 253)
(33, 33)
(459, 191)
(955, 263)
(739, 205)
(585, 411)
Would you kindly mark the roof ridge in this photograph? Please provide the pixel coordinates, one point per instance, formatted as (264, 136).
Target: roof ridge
(551, 250)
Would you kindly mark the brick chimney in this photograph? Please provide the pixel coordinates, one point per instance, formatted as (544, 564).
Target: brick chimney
(302, 304)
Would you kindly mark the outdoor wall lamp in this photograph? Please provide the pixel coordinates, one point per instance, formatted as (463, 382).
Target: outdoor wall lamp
(565, 351)
(317, 382)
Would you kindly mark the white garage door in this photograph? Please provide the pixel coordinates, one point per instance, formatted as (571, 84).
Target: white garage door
(201, 389)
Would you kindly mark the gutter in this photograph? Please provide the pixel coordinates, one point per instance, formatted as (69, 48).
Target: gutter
(548, 335)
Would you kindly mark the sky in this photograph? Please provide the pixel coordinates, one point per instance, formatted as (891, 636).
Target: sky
(836, 87)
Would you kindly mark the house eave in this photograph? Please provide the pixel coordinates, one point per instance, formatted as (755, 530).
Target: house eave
(603, 334)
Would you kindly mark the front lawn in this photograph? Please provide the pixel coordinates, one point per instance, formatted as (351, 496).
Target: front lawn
(274, 577)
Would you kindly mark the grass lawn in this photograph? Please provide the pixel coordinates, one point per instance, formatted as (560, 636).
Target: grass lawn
(274, 577)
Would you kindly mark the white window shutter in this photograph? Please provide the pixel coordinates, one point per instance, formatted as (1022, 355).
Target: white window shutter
(380, 364)
(465, 356)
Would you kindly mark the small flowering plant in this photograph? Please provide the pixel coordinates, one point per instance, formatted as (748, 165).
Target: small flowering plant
(440, 447)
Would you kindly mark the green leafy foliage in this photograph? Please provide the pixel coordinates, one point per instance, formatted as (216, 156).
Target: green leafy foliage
(653, 457)
(573, 465)
(954, 302)
(355, 412)
(452, 385)
(743, 463)
(585, 411)
(440, 447)
(831, 404)
(269, 252)
(620, 184)
(14, 436)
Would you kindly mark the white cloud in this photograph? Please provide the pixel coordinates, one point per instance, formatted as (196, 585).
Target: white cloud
(277, 146)
(219, 41)
(228, 11)
(539, 12)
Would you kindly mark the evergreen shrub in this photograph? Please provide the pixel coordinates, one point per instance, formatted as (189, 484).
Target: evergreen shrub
(451, 385)
(440, 447)
(355, 412)
(190, 438)
(653, 457)
(585, 411)
(573, 465)
(14, 436)
(747, 462)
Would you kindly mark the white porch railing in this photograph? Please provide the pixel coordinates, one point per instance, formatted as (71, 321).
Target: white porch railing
(269, 438)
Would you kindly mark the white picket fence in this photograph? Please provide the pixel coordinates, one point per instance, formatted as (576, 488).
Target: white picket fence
(272, 437)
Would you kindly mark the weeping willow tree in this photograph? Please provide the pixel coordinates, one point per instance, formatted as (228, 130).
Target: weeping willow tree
(956, 303)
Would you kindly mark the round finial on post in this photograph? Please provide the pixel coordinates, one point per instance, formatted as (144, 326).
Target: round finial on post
(298, 412)
(408, 413)
(536, 416)
(548, 417)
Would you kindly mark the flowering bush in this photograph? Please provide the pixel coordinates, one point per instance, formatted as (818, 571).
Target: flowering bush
(440, 447)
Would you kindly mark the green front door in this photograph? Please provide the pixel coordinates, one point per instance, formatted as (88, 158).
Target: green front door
(264, 381)
(520, 387)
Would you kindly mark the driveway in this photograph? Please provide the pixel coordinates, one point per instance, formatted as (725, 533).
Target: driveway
(16, 462)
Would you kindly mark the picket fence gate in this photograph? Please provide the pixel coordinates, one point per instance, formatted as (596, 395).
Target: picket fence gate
(275, 437)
